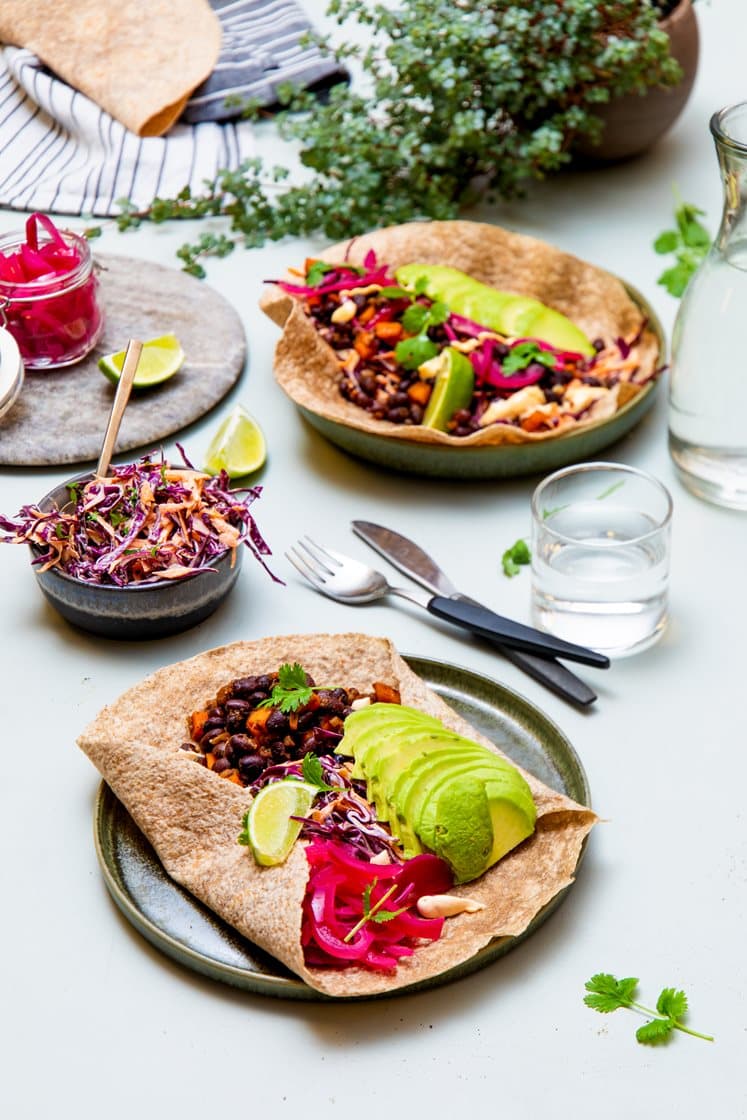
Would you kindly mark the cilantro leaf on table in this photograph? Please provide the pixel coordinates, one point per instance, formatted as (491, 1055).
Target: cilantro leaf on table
(518, 554)
(655, 1031)
(689, 241)
(605, 993)
(608, 994)
(291, 692)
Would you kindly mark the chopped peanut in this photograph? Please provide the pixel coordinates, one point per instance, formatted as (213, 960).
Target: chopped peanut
(447, 905)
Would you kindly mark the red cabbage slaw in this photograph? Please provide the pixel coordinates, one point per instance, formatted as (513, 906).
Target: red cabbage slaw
(341, 814)
(148, 521)
(343, 890)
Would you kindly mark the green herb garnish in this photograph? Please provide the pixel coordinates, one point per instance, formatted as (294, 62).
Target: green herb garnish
(317, 272)
(413, 352)
(605, 994)
(243, 837)
(73, 490)
(690, 243)
(313, 773)
(523, 355)
(291, 692)
(374, 913)
(515, 556)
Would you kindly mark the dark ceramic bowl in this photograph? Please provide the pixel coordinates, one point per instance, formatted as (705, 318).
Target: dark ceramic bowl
(153, 610)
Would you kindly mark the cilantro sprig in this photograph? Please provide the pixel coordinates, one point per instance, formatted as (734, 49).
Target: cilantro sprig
(313, 773)
(375, 913)
(689, 241)
(515, 556)
(605, 993)
(417, 319)
(523, 354)
(291, 691)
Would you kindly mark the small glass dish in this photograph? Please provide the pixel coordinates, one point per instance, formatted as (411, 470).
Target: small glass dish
(55, 318)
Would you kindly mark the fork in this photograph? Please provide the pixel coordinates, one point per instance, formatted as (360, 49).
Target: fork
(348, 581)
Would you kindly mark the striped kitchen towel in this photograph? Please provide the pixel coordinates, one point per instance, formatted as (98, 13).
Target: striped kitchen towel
(59, 152)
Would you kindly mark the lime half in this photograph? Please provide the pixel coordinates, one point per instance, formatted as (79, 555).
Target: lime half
(272, 832)
(452, 389)
(238, 447)
(160, 359)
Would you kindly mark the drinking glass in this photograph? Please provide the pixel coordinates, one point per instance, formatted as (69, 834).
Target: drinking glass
(600, 557)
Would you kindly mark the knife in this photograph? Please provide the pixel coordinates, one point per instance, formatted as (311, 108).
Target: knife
(412, 561)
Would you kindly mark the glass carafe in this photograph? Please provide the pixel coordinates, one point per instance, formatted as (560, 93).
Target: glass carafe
(708, 384)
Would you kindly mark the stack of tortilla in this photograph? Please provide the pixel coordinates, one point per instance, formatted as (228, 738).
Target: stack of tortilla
(138, 60)
(192, 817)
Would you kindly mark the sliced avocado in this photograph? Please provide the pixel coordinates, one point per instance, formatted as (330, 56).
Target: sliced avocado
(460, 835)
(502, 783)
(384, 764)
(514, 315)
(452, 389)
(375, 722)
(464, 833)
(506, 777)
(414, 782)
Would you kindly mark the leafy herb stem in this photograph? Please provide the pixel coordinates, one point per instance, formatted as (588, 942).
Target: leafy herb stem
(606, 993)
(370, 912)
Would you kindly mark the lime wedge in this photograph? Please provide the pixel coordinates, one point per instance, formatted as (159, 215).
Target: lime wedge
(238, 446)
(160, 359)
(452, 389)
(271, 831)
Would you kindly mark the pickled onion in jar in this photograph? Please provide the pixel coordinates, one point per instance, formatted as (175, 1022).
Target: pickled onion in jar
(49, 294)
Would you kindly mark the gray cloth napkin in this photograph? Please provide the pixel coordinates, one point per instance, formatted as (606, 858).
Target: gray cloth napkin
(260, 50)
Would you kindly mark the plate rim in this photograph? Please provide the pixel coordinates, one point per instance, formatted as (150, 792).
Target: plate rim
(294, 988)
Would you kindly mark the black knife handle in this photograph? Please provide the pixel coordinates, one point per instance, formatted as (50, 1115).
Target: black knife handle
(513, 634)
(549, 672)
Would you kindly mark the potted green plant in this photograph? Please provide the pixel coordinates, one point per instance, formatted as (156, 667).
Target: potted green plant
(631, 122)
(456, 99)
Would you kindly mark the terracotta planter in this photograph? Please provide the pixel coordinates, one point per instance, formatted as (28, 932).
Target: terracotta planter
(633, 123)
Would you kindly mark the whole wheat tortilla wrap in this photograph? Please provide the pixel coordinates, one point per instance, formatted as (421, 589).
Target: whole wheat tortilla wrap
(597, 302)
(193, 818)
(139, 60)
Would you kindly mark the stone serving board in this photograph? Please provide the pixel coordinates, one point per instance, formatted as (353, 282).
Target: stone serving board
(60, 415)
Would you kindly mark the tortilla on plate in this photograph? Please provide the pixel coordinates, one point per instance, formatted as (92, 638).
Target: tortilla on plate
(193, 818)
(307, 369)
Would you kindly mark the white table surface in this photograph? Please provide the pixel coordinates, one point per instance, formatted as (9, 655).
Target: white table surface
(95, 1022)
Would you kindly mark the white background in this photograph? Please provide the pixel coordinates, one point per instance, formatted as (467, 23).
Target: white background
(97, 1023)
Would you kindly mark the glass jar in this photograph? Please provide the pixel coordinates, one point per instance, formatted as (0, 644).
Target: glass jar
(56, 319)
(708, 384)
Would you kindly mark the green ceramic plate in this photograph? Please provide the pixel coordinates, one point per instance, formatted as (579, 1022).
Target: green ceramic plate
(178, 925)
(496, 462)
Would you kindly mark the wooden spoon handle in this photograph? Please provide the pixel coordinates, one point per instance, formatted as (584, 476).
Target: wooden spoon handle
(121, 397)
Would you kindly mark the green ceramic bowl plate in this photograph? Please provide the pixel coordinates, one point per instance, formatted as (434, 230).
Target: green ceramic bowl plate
(178, 925)
(509, 460)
